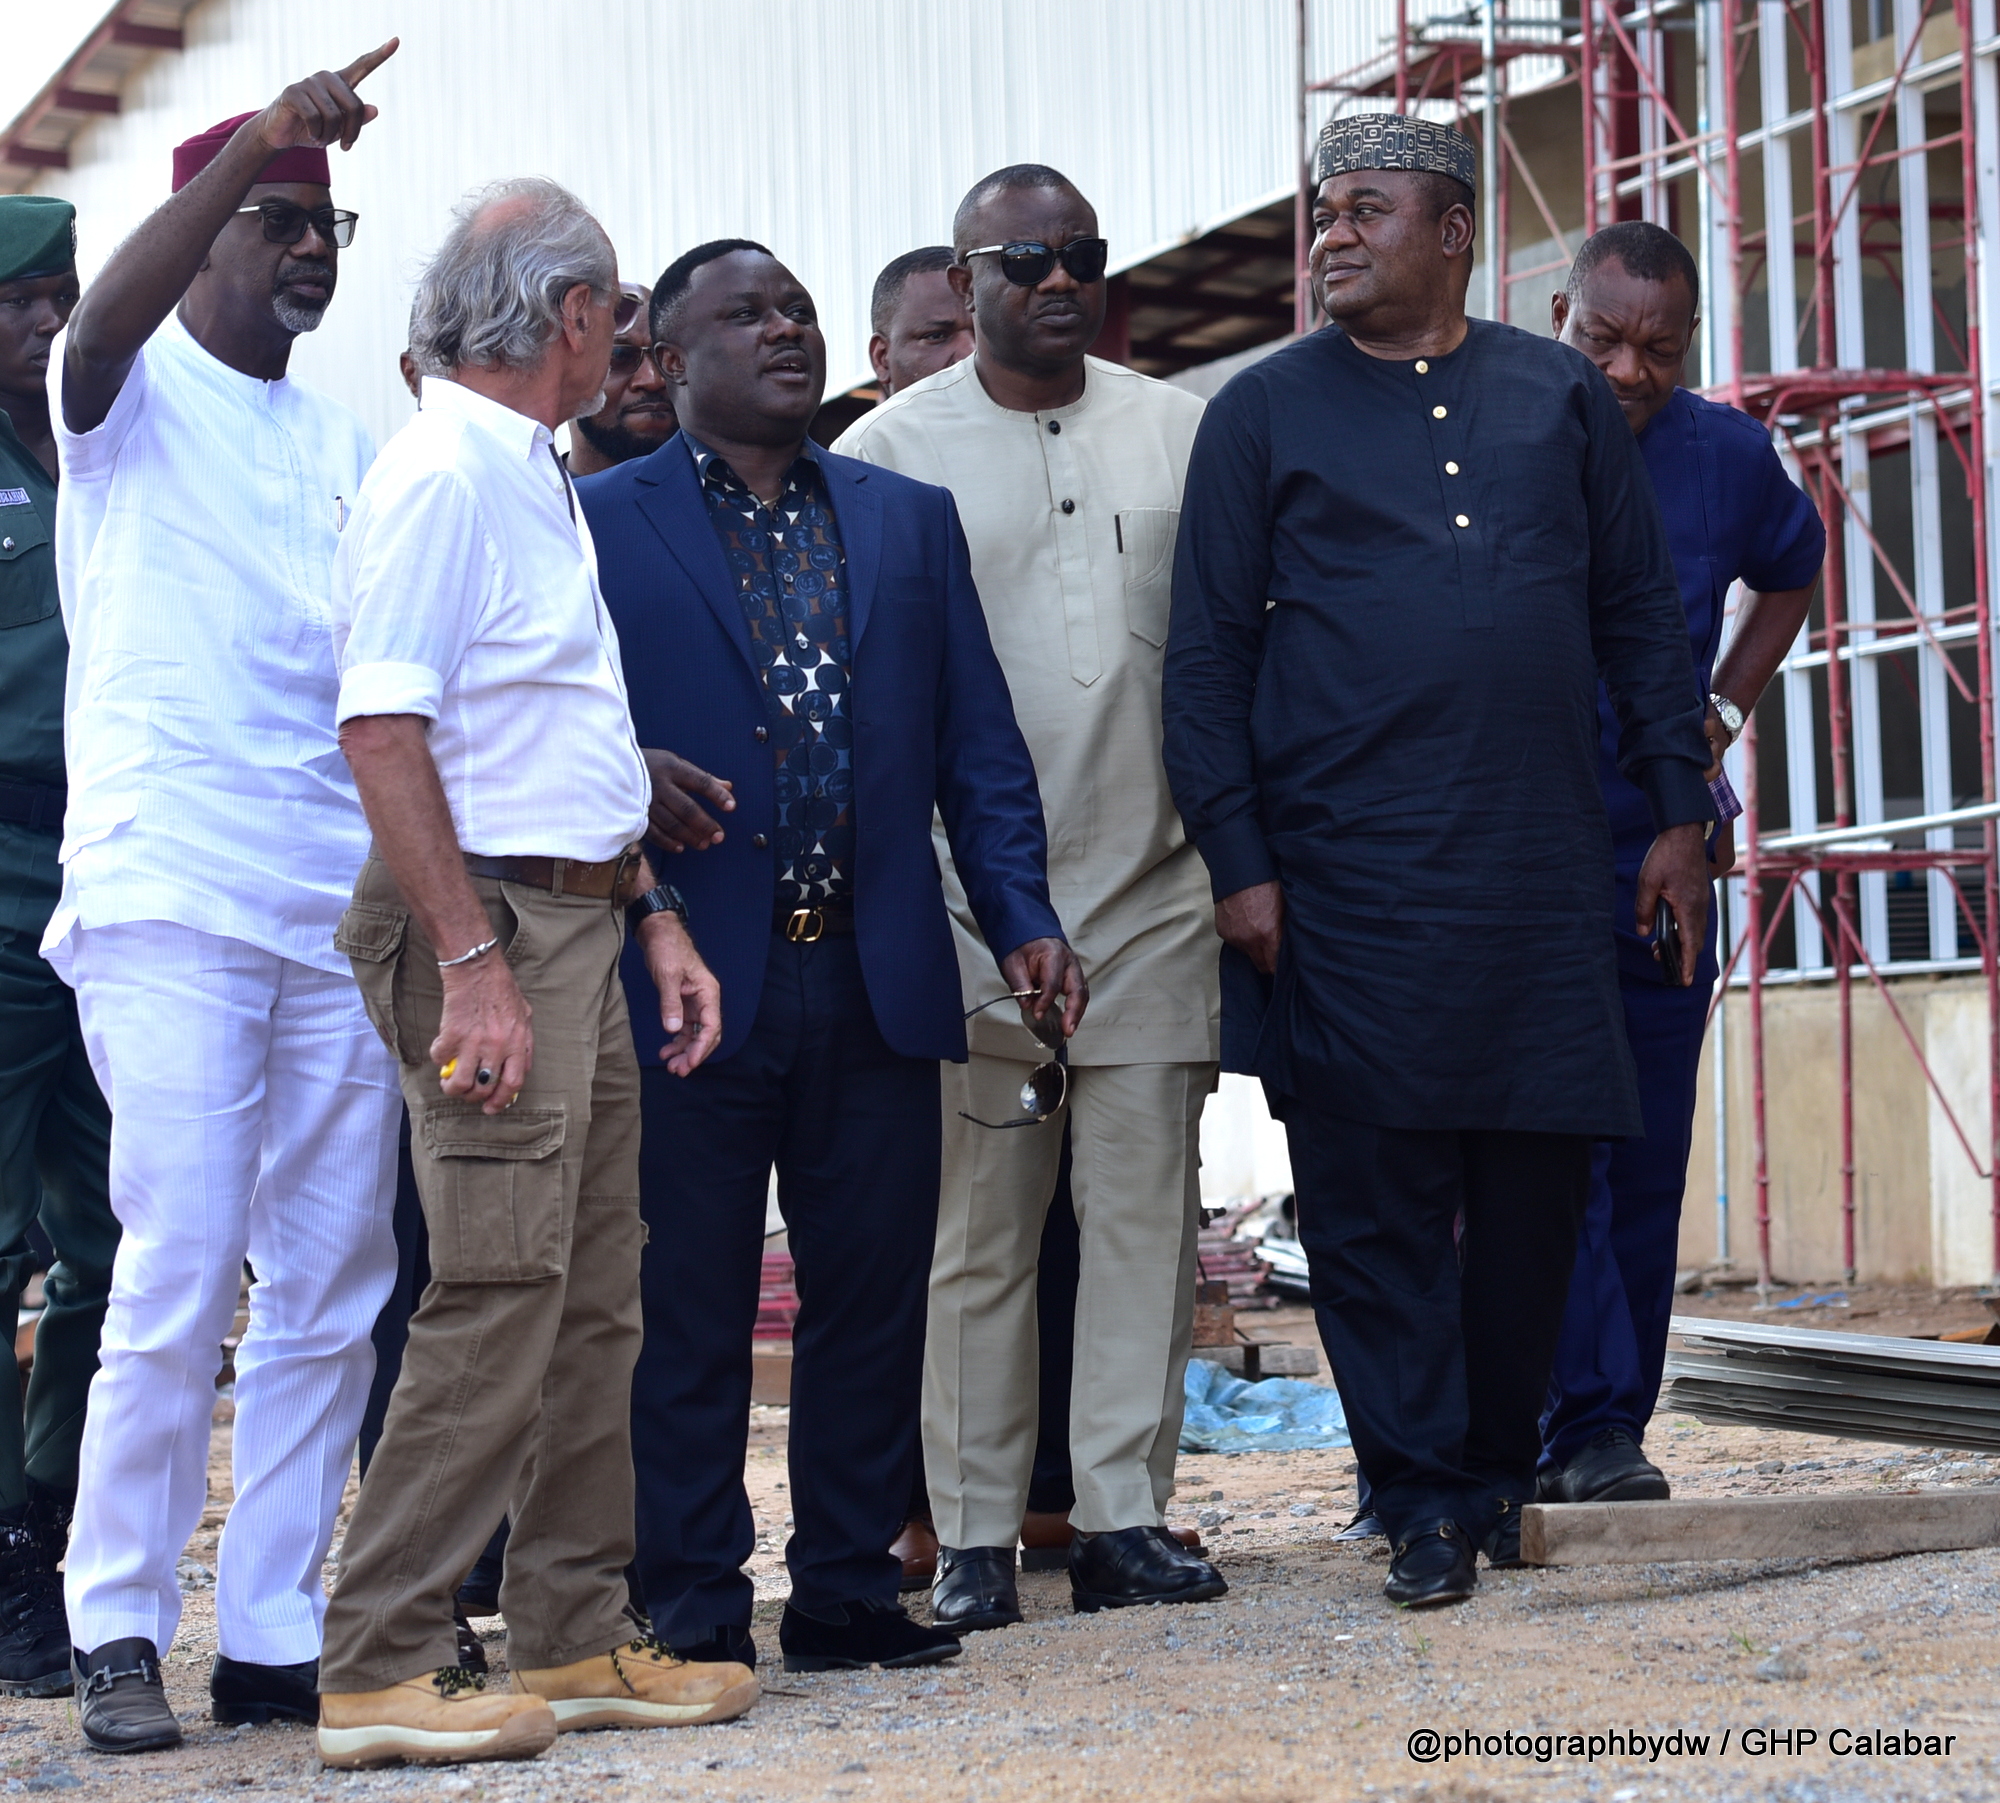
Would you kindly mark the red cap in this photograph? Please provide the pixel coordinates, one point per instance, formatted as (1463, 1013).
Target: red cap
(299, 164)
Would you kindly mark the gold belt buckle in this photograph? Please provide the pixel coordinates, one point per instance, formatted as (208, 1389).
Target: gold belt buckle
(805, 926)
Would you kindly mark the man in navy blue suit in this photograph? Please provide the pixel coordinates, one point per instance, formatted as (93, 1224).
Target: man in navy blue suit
(805, 626)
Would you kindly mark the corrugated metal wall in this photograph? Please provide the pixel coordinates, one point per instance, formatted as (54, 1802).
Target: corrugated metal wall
(840, 132)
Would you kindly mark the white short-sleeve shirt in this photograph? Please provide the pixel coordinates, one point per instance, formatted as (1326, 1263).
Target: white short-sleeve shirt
(194, 547)
(466, 593)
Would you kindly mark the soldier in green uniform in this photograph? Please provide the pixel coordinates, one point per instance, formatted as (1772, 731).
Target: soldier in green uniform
(55, 1130)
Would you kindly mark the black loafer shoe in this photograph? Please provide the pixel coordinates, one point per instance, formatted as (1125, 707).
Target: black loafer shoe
(1502, 1545)
(1130, 1566)
(239, 1692)
(121, 1701)
(975, 1589)
(1610, 1469)
(1366, 1525)
(1432, 1565)
(719, 1646)
(846, 1636)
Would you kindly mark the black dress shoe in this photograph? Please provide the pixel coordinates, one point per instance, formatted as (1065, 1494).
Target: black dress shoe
(1432, 1565)
(34, 1626)
(239, 1691)
(471, 1649)
(975, 1589)
(846, 1636)
(121, 1701)
(1366, 1525)
(1610, 1469)
(719, 1646)
(1128, 1566)
(1502, 1545)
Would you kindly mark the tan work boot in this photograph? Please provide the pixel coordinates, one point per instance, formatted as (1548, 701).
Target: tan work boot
(642, 1685)
(443, 1719)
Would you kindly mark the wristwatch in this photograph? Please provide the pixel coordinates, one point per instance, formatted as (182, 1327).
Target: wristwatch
(1730, 715)
(662, 898)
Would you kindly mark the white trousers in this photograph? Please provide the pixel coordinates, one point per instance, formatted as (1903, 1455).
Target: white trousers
(254, 1113)
(1135, 1179)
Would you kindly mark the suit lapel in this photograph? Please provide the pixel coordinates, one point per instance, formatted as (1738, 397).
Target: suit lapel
(670, 497)
(858, 509)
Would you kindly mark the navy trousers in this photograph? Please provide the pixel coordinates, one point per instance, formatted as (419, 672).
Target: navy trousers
(1441, 1352)
(1614, 1334)
(853, 1129)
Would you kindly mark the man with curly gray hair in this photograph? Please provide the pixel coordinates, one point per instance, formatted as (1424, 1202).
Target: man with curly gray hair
(483, 711)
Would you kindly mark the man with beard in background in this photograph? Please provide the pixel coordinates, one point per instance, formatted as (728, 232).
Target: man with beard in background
(634, 418)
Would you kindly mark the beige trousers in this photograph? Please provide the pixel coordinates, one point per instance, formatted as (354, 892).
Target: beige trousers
(515, 1394)
(1135, 1166)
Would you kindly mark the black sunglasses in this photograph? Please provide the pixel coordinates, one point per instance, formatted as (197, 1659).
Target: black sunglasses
(1027, 264)
(1047, 1087)
(286, 224)
(626, 358)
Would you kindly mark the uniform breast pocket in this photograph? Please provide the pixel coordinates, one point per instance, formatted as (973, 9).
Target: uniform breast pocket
(27, 572)
(1146, 542)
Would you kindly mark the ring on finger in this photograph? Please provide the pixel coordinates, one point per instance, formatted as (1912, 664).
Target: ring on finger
(483, 1076)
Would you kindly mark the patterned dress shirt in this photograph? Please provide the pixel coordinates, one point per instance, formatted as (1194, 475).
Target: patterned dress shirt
(791, 579)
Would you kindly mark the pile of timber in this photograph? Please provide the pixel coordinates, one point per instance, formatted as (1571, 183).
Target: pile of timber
(1858, 1385)
(1226, 1259)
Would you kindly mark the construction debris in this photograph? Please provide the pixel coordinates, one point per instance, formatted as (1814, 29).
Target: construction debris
(1826, 1526)
(1855, 1385)
(1279, 1414)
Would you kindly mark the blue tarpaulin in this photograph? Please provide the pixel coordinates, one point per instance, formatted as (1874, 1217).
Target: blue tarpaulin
(1281, 1414)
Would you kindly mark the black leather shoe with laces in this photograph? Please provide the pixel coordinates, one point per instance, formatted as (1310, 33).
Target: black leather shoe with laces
(1432, 1565)
(1125, 1567)
(34, 1627)
(975, 1589)
(240, 1691)
(719, 1646)
(1610, 1469)
(846, 1636)
(121, 1703)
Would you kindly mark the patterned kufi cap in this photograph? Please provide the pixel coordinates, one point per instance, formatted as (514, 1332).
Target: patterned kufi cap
(1394, 141)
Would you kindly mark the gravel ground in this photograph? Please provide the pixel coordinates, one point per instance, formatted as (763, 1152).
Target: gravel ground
(1302, 1685)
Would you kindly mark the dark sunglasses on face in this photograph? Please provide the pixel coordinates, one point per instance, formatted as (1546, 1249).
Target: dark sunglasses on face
(286, 224)
(1047, 1087)
(626, 358)
(625, 315)
(1027, 264)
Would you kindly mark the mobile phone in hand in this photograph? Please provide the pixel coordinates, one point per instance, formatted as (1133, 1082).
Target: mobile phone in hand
(1667, 939)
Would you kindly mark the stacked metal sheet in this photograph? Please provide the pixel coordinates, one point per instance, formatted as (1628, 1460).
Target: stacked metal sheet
(1857, 1385)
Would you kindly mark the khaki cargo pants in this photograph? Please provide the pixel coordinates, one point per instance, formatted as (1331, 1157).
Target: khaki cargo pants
(515, 1395)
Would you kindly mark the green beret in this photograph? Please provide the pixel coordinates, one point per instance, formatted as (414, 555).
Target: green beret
(37, 236)
(1394, 141)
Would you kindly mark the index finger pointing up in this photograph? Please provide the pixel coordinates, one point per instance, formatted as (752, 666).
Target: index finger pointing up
(367, 65)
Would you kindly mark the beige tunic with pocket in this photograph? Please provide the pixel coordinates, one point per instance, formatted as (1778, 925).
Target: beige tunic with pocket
(1071, 517)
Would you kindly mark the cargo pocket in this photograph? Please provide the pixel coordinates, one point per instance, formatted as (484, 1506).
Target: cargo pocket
(371, 937)
(495, 1207)
(1146, 538)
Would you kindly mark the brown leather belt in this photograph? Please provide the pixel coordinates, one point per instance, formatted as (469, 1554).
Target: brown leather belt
(615, 879)
(824, 920)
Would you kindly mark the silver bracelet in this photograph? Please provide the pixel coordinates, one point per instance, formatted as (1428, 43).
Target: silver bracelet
(478, 951)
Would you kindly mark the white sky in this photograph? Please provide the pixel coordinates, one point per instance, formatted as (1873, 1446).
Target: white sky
(38, 38)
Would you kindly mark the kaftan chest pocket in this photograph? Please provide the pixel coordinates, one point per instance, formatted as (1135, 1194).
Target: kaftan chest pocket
(27, 584)
(1146, 544)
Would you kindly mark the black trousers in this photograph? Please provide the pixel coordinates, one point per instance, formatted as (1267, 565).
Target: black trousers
(852, 1127)
(1442, 1370)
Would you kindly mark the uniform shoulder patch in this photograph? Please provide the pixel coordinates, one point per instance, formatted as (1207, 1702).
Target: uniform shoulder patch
(13, 497)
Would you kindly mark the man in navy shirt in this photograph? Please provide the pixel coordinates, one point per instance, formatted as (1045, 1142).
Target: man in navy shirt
(1631, 305)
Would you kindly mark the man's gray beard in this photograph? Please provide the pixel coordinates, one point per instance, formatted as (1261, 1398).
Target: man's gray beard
(296, 316)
